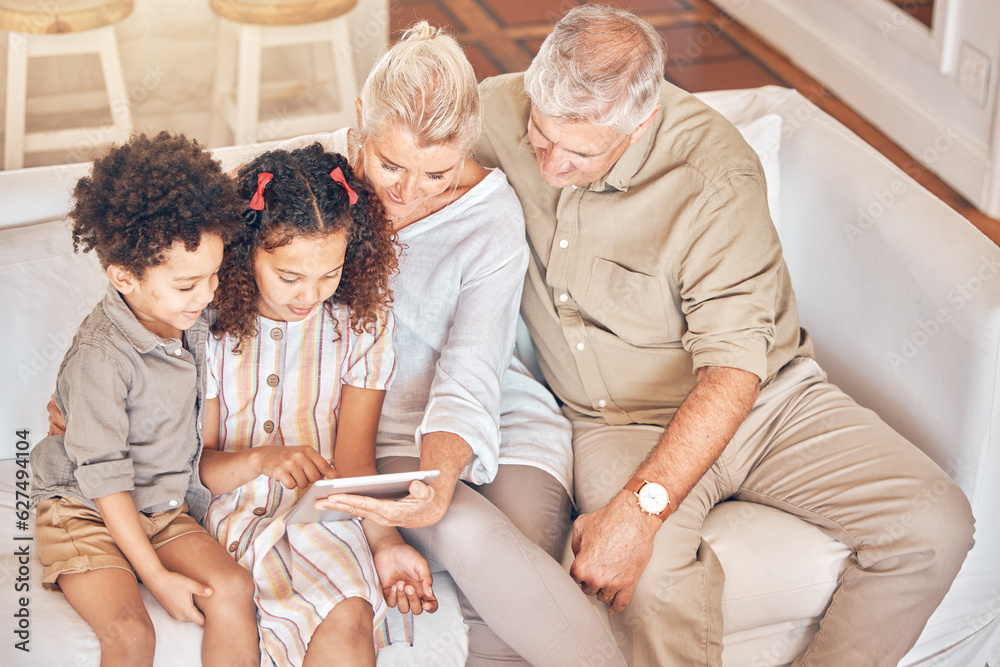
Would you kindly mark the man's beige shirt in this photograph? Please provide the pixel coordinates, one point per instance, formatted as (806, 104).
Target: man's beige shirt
(668, 264)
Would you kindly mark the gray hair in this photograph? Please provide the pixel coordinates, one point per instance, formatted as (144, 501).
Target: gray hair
(601, 65)
(425, 85)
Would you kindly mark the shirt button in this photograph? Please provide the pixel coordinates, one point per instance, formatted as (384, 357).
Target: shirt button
(268, 426)
(564, 243)
(173, 503)
(580, 346)
(563, 298)
(276, 334)
(177, 352)
(259, 511)
(602, 403)
(233, 546)
(272, 380)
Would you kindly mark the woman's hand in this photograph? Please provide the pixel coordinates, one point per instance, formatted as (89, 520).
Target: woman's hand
(425, 505)
(56, 424)
(294, 466)
(406, 578)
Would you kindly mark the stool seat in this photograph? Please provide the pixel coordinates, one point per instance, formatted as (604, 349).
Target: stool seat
(48, 18)
(281, 12)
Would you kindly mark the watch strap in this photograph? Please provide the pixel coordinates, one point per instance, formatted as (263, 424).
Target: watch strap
(635, 484)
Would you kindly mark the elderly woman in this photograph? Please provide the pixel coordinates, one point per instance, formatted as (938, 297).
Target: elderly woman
(496, 517)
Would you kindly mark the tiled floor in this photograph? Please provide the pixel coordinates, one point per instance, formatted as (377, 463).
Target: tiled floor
(706, 49)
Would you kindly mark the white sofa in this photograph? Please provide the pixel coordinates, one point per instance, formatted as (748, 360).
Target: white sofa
(869, 251)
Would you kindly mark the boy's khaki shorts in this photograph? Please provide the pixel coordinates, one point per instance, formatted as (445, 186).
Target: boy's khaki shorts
(72, 537)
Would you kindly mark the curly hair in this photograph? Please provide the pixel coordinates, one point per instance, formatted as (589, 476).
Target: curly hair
(302, 200)
(147, 194)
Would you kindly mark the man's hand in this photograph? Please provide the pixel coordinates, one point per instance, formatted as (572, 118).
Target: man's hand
(612, 547)
(425, 505)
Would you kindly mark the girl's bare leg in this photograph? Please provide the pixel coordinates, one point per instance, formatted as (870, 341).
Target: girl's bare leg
(344, 637)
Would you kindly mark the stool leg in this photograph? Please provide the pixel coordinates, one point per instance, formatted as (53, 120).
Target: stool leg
(248, 85)
(343, 65)
(222, 92)
(114, 81)
(17, 91)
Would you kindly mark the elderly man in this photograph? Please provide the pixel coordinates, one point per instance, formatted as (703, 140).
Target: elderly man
(665, 321)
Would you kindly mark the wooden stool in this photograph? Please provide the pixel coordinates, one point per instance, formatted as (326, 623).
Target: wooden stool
(247, 28)
(66, 27)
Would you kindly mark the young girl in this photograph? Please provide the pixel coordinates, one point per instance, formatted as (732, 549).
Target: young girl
(298, 367)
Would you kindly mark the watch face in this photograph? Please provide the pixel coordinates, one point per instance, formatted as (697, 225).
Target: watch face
(653, 498)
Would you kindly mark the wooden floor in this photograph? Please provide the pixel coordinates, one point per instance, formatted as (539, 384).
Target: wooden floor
(707, 50)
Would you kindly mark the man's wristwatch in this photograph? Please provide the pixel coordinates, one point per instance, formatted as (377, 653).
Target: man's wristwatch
(650, 497)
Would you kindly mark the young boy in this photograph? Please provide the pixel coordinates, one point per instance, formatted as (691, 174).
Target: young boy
(117, 496)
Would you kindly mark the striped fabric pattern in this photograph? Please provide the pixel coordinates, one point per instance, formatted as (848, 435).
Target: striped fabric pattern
(284, 389)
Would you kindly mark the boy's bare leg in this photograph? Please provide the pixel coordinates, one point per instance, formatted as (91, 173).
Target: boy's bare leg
(230, 637)
(108, 599)
(344, 637)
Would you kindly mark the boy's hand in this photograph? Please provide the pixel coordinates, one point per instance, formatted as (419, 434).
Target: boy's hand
(176, 593)
(406, 578)
(295, 467)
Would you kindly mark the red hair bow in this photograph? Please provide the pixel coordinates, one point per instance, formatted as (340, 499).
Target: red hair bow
(338, 175)
(257, 202)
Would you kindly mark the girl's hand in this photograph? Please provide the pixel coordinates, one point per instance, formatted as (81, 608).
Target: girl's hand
(406, 578)
(295, 467)
(425, 506)
(176, 593)
(56, 424)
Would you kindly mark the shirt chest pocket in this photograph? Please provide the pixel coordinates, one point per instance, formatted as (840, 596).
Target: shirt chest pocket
(632, 305)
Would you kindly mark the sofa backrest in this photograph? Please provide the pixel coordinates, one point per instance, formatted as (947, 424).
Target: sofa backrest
(900, 293)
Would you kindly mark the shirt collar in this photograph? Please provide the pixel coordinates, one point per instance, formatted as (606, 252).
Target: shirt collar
(624, 170)
(141, 338)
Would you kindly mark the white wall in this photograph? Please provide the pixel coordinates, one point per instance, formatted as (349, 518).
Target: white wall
(865, 53)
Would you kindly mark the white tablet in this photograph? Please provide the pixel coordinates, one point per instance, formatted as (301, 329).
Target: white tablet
(392, 486)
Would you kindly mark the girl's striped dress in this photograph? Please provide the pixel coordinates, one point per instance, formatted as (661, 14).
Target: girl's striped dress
(284, 388)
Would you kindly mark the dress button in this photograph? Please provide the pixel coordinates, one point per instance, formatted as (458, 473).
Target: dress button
(272, 380)
(276, 333)
(563, 298)
(173, 503)
(580, 346)
(564, 243)
(259, 511)
(602, 403)
(268, 426)
(233, 546)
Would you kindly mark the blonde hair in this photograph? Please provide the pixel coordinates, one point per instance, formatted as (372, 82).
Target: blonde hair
(601, 65)
(425, 85)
